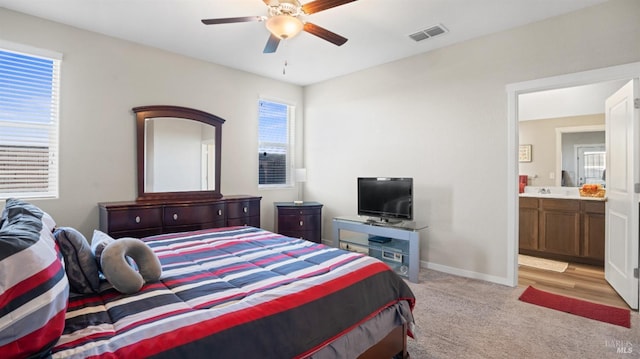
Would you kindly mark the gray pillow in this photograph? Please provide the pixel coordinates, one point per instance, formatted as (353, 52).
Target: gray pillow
(3, 218)
(99, 242)
(120, 274)
(80, 263)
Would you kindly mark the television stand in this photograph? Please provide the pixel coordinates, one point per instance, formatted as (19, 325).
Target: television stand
(401, 252)
(383, 221)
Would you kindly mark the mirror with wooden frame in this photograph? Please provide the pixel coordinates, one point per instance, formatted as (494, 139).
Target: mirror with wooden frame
(178, 153)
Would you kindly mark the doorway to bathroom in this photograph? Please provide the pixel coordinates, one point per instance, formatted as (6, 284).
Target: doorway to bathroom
(547, 177)
(565, 131)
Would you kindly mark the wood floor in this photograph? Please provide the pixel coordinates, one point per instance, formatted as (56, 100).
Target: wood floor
(578, 281)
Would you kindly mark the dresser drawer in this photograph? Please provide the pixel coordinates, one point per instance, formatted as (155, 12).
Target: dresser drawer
(243, 209)
(302, 211)
(179, 215)
(299, 222)
(133, 219)
(141, 233)
(194, 227)
(253, 221)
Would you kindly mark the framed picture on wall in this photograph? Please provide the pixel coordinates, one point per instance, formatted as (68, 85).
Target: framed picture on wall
(524, 154)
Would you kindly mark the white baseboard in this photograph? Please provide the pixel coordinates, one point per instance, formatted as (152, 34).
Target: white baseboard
(465, 273)
(455, 271)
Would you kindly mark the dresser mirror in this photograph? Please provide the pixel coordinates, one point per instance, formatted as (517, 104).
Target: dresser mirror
(178, 153)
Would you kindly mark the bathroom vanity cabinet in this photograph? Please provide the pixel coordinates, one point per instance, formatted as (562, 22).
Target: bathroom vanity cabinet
(563, 229)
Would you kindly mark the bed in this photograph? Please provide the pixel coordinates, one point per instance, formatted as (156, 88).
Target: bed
(234, 292)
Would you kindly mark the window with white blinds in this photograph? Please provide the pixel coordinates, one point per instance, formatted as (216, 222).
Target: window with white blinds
(594, 167)
(29, 102)
(274, 145)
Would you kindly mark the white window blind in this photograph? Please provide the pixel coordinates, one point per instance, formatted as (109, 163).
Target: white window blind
(29, 107)
(274, 153)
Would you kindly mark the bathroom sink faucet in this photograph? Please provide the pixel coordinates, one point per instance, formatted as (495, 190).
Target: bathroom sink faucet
(544, 191)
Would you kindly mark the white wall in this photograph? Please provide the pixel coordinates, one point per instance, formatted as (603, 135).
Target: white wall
(441, 118)
(104, 78)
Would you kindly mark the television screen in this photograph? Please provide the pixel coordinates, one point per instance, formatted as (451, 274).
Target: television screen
(385, 198)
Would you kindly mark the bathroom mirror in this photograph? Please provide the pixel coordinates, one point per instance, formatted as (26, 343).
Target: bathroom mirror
(178, 153)
(581, 156)
(565, 156)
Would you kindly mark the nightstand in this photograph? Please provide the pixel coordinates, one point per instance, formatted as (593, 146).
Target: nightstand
(299, 220)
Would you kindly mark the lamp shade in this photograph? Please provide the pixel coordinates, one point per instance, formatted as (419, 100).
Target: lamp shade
(301, 175)
(284, 26)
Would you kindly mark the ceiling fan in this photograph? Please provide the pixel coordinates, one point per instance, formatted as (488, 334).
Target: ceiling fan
(284, 21)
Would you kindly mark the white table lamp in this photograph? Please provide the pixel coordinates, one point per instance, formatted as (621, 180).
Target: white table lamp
(300, 178)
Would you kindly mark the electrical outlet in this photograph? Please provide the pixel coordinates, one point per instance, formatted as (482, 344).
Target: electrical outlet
(552, 175)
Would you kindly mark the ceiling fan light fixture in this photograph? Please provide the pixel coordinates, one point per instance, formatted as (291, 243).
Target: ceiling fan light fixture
(284, 26)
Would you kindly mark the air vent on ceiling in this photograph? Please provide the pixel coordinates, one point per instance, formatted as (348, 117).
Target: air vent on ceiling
(428, 33)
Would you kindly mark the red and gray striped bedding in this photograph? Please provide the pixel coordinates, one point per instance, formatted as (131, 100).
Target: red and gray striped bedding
(238, 292)
(33, 285)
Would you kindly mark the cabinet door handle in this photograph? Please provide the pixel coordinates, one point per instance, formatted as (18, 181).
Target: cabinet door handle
(137, 219)
(175, 216)
(301, 223)
(219, 212)
(245, 209)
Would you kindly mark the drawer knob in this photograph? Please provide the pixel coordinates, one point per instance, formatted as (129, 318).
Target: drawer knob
(137, 219)
(175, 216)
(245, 209)
(219, 212)
(301, 223)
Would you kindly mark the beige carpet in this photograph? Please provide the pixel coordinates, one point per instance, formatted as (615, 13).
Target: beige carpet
(465, 318)
(542, 263)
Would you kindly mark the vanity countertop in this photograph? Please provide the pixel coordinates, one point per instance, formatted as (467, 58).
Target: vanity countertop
(558, 193)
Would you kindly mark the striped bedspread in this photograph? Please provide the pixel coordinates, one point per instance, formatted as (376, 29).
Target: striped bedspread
(238, 292)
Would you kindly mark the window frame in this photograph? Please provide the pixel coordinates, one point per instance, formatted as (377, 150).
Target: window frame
(290, 147)
(52, 128)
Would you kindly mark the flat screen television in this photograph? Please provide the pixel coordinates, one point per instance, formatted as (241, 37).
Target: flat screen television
(387, 199)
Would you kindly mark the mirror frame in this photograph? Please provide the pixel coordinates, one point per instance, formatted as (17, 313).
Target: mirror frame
(146, 112)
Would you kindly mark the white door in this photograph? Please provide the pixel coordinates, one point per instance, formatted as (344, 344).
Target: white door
(621, 240)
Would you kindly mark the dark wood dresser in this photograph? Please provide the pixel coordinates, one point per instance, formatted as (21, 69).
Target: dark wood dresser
(299, 220)
(145, 218)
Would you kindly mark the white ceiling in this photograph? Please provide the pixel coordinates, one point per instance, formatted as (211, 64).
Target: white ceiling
(565, 102)
(377, 29)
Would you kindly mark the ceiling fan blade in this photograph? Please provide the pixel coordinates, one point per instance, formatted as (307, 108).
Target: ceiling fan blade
(272, 44)
(324, 34)
(320, 5)
(230, 20)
